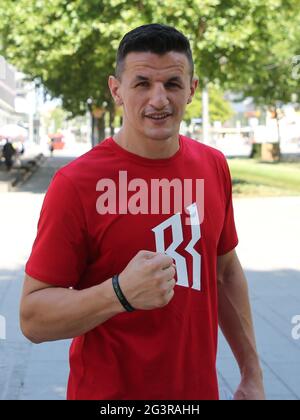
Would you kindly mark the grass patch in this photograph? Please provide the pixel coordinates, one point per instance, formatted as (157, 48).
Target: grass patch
(253, 178)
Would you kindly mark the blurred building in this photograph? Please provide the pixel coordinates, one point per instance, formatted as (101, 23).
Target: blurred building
(27, 105)
(19, 100)
(7, 93)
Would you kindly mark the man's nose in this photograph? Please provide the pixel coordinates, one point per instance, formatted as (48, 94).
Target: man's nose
(159, 98)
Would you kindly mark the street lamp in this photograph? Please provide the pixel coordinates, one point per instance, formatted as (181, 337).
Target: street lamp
(89, 104)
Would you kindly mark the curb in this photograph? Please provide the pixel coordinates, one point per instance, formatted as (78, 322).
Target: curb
(24, 172)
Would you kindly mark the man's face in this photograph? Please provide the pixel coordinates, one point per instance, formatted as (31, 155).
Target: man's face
(154, 92)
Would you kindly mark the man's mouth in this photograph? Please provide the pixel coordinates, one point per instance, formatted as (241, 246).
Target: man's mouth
(158, 117)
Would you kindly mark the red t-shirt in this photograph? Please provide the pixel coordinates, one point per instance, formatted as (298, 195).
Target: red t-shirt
(167, 353)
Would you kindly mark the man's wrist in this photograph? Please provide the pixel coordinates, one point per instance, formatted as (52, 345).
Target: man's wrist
(113, 302)
(120, 295)
(252, 371)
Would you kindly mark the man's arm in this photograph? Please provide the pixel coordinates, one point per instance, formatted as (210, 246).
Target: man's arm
(50, 313)
(236, 323)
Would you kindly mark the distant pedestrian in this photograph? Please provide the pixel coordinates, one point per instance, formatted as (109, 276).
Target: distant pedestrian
(51, 146)
(8, 153)
(21, 150)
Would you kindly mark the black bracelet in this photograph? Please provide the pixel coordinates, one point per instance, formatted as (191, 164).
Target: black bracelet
(119, 293)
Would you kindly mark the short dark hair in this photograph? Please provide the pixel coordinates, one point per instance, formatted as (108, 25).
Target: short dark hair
(155, 38)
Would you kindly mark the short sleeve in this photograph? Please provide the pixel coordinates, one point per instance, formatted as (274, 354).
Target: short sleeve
(59, 252)
(228, 239)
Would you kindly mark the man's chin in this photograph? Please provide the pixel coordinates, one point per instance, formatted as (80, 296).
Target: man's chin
(160, 135)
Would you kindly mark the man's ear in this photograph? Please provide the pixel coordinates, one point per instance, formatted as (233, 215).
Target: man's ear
(114, 87)
(194, 86)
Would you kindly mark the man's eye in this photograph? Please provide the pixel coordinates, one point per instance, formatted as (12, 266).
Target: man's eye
(142, 84)
(173, 85)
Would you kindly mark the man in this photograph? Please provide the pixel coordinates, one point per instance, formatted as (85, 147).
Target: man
(8, 152)
(119, 266)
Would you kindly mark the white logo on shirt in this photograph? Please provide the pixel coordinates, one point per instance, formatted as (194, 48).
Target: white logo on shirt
(175, 223)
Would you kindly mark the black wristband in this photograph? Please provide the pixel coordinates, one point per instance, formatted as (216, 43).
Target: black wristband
(119, 293)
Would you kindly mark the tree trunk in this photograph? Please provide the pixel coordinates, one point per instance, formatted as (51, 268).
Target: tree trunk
(93, 131)
(101, 128)
(112, 114)
(205, 114)
(278, 131)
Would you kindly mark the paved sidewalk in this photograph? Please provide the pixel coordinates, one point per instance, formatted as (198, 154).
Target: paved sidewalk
(269, 231)
(8, 178)
(27, 371)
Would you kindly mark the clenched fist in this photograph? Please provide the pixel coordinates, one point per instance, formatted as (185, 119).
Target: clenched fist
(148, 280)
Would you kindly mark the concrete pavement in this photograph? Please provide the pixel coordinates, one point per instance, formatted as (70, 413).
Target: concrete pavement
(21, 170)
(269, 231)
(27, 371)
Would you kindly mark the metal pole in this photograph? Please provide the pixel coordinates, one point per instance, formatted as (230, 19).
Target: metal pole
(205, 114)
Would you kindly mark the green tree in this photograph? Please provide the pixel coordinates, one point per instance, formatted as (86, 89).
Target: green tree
(54, 119)
(219, 108)
(70, 46)
(275, 79)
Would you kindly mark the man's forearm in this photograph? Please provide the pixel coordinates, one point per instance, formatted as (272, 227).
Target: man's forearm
(235, 318)
(56, 313)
